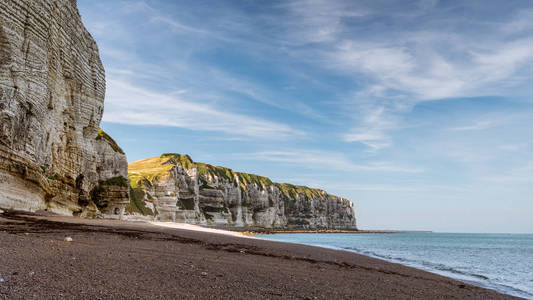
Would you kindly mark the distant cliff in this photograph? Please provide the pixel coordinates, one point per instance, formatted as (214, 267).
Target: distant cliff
(53, 156)
(174, 188)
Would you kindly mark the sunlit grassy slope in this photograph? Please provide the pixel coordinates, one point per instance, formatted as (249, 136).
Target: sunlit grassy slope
(157, 168)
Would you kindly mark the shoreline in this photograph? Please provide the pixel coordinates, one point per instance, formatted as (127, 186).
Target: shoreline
(117, 259)
(504, 289)
(331, 231)
(251, 231)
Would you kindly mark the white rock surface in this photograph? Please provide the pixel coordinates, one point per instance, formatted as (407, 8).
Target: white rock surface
(196, 193)
(52, 87)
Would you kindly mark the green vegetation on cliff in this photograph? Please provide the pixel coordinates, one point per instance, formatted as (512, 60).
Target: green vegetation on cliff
(159, 168)
(137, 204)
(148, 169)
(292, 191)
(110, 141)
(118, 181)
(178, 159)
(210, 170)
(187, 204)
(246, 179)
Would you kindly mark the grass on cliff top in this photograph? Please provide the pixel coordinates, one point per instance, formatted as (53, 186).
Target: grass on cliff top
(110, 141)
(148, 169)
(292, 191)
(210, 170)
(158, 167)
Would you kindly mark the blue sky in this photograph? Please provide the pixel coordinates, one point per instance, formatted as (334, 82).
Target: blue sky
(418, 111)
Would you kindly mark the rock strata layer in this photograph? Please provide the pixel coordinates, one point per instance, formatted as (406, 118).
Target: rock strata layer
(174, 188)
(53, 156)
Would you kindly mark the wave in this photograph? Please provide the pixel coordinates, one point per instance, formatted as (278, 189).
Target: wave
(424, 263)
(467, 277)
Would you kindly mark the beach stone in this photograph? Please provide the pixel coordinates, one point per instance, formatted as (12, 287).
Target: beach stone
(53, 155)
(68, 239)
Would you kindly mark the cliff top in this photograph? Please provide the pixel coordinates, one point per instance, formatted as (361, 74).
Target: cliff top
(159, 168)
(103, 135)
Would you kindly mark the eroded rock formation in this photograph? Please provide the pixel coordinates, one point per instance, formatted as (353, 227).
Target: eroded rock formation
(52, 154)
(174, 188)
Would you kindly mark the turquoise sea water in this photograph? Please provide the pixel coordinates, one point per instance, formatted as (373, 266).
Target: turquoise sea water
(503, 262)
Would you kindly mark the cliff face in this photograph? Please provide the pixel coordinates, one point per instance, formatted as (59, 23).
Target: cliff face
(52, 154)
(174, 188)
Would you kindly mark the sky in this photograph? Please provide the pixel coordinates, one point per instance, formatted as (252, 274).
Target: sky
(420, 112)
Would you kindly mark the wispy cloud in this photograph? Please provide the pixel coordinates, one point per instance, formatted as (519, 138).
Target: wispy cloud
(403, 188)
(513, 147)
(522, 174)
(201, 79)
(424, 72)
(318, 21)
(398, 67)
(373, 123)
(378, 188)
(128, 104)
(176, 26)
(328, 160)
(372, 138)
(519, 24)
(480, 125)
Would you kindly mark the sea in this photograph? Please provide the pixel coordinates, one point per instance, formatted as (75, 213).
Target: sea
(503, 262)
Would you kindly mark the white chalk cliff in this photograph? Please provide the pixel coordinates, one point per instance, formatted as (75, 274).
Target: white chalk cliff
(53, 156)
(174, 188)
